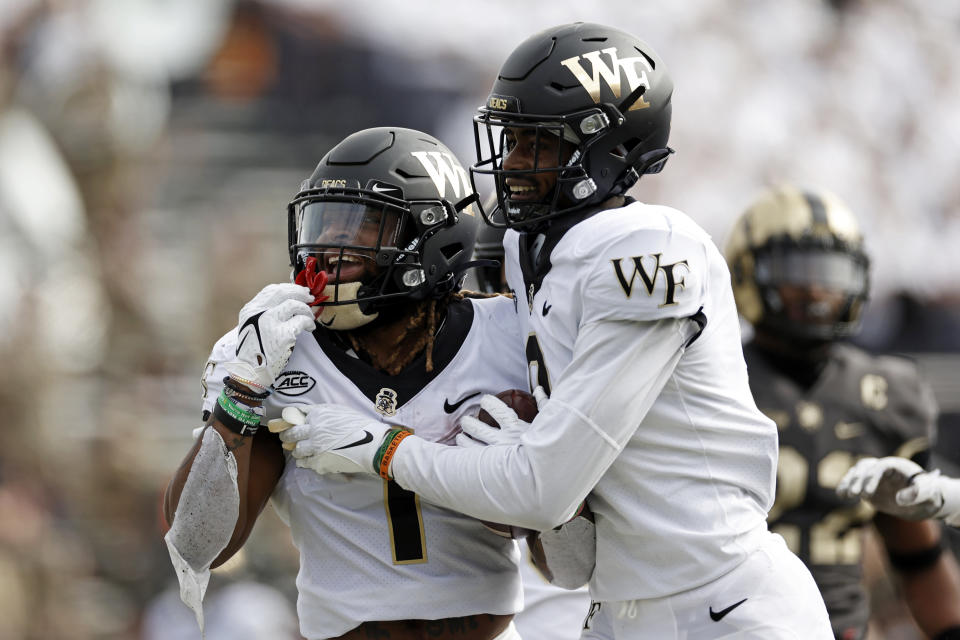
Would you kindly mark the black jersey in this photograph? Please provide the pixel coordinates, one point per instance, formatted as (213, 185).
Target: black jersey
(859, 405)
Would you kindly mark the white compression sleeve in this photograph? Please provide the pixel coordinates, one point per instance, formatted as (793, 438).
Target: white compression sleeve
(617, 372)
(205, 519)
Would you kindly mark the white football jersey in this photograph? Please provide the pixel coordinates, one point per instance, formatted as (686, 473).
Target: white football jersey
(656, 418)
(370, 550)
(686, 497)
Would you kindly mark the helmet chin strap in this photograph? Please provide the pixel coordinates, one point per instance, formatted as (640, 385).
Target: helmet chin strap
(347, 316)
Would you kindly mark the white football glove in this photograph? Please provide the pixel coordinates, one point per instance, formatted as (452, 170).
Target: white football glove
(934, 488)
(479, 434)
(268, 329)
(333, 439)
(888, 484)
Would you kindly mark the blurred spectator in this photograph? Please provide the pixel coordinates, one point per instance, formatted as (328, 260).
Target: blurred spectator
(237, 611)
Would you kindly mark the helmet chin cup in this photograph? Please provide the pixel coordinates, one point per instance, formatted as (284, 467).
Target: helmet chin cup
(518, 212)
(343, 317)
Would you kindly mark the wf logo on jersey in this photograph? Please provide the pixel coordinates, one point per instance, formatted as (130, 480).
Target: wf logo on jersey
(294, 383)
(611, 74)
(443, 168)
(386, 402)
(648, 280)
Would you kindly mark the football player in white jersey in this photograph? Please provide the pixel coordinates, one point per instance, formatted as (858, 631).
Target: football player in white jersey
(549, 611)
(630, 323)
(380, 235)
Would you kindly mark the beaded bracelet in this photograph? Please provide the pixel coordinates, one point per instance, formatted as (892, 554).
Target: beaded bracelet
(251, 387)
(241, 396)
(241, 421)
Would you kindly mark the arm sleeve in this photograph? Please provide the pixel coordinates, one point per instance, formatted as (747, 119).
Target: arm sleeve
(617, 372)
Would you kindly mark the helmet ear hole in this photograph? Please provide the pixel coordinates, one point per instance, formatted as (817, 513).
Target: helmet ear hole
(451, 251)
(623, 149)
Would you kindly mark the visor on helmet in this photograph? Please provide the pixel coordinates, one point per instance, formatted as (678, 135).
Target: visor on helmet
(351, 227)
(353, 240)
(836, 271)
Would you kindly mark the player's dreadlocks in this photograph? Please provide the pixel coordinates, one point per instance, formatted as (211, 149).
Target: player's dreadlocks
(419, 334)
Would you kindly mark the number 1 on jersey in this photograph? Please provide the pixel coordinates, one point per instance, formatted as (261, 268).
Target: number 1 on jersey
(407, 543)
(536, 369)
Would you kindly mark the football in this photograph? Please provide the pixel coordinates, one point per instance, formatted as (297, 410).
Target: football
(523, 403)
(525, 406)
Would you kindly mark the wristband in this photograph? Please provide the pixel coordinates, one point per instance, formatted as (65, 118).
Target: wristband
(579, 511)
(238, 420)
(951, 633)
(256, 409)
(916, 561)
(381, 461)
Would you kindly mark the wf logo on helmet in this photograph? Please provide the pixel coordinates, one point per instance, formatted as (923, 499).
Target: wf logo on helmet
(443, 168)
(611, 74)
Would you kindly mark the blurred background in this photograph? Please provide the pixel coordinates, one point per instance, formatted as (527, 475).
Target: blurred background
(148, 149)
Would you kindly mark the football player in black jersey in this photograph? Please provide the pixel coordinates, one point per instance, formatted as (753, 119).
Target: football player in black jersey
(903, 488)
(801, 278)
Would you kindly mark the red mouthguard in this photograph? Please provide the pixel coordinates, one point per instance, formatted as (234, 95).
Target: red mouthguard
(314, 280)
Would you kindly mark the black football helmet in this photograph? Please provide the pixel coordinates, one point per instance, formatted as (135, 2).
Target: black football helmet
(390, 197)
(804, 238)
(596, 87)
(490, 247)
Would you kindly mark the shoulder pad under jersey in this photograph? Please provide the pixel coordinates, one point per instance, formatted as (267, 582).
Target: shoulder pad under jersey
(498, 310)
(892, 391)
(642, 262)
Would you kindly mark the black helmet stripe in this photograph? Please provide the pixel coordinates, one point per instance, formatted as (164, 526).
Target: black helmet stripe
(818, 209)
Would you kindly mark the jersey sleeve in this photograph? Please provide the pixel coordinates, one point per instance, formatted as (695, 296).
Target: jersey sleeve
(645, 275)
(910, 417)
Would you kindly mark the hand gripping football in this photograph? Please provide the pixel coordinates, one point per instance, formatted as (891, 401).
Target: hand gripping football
(525, 406)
